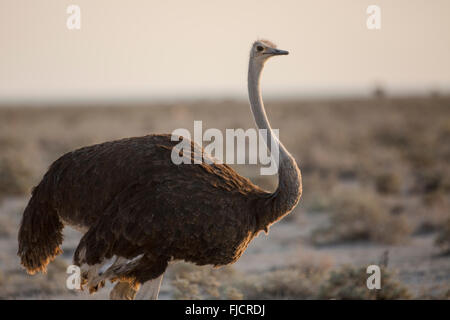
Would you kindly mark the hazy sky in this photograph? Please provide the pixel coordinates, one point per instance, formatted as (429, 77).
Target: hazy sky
(154, 49)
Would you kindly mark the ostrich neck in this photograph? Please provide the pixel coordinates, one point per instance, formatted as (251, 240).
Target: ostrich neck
(286, 196)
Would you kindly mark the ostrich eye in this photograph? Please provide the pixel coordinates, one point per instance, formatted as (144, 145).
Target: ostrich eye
(259, 48)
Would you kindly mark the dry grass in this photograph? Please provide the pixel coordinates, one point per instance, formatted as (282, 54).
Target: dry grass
(196, 283)
(289, 283)
(360, 215)
(7, 227)
(443, 237)
(388, 183)
(314, 277)
(293, 282)
(20, 285)
(349, 283)
(15, 177)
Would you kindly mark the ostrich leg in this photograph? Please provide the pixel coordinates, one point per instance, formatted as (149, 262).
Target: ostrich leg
(150, 289)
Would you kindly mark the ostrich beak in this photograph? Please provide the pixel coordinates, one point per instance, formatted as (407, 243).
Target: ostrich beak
(277, 52)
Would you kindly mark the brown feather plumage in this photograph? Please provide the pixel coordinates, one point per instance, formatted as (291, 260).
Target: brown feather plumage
(133, 200)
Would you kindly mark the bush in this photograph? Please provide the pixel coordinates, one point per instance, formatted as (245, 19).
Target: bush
(198, 283)
(7, 227)
(360, 215)
(388, 183)
(303, 281)
(290, 283)
(297, 282)
(18, 284)
(443, 238)
(15, 178)
(350, 283)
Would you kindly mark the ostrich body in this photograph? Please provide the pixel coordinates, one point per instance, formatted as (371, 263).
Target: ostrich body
(139, 211)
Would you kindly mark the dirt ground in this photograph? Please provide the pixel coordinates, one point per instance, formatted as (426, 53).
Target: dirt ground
(376, 182)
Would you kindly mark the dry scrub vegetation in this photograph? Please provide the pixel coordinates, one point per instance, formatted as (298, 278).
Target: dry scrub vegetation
(359, 215)
(292, 282)
(375, 171)
(16, 284)
(443, 238)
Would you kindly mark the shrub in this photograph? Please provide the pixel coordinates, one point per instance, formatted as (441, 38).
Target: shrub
(388, 183)
(7, 228)
(197, 283)
(360, 215)
(15, 178)
(350, 283)
(443, 237)
(290, 283)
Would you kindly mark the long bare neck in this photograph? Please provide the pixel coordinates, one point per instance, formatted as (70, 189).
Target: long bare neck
(288, 192)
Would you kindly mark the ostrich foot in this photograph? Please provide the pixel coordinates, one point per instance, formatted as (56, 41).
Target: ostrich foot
(123, 291)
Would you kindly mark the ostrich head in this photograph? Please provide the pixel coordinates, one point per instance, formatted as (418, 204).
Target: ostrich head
(262, 50)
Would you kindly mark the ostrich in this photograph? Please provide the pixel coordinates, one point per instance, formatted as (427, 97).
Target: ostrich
(138, 211)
